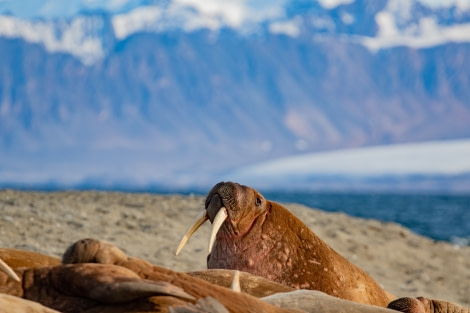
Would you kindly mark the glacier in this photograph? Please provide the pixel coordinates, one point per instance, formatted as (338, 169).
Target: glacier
(423, 160)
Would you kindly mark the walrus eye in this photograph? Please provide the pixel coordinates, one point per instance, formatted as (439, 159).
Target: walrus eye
(258, 201)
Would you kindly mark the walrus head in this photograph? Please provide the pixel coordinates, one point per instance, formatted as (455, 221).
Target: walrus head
(223, 207)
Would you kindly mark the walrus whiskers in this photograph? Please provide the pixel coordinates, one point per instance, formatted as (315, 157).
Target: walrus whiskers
(8, 270)
(200, 219)
(218, 221)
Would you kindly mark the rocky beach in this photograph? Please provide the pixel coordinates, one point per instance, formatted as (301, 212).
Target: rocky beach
(150, 226)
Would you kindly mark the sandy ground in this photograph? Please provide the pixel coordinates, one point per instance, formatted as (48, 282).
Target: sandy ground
(151, 226)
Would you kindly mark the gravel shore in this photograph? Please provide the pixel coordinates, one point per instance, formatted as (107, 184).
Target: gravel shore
(149, 226)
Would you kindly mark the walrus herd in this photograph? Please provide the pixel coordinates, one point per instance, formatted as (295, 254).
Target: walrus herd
(273, 262)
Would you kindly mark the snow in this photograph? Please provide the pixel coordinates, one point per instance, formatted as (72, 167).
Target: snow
(427, 158)
(63, 29)
(232, 12)
(191, 15)
(70, 37)
(331, 4)
(428, 34)
(136, 20)
(289, 28)
(396, 27)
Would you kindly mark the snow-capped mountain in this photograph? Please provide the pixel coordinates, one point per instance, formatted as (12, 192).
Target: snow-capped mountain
(374, 24)
(180, 92)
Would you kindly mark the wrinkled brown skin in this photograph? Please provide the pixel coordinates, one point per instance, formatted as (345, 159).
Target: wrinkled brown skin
(103, 288)
(97, 251)
(317, 301)
(91, 250)
(84, 287)
(425, 305)
(254, 285)
(280, 295)
(23, 258)
(13, 304)
(263, 238)
(93, 288)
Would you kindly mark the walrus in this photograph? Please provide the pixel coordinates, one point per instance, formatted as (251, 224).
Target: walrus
(23, 258)
(14, 258)
(92, 287)
(90, 250)
(261, 237)
(425, 305)
(103, 287)
(8, 270)
(139, 287)
(20, 305)
(106, 288)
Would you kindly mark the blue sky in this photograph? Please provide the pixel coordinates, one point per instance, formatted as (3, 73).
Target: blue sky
(60, 8)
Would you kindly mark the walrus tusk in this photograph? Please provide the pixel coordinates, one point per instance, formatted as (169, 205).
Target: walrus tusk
(218, 221)
(8, 270)
(235, 286)
(200, 219)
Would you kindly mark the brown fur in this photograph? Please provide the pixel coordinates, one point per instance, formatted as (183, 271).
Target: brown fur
(263, 238)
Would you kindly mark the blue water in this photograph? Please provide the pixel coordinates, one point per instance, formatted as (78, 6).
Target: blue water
(441, 217)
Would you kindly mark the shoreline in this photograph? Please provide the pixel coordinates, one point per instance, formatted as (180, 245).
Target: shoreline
(150, 226)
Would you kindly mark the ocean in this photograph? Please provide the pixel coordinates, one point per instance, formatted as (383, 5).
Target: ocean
(440, 217)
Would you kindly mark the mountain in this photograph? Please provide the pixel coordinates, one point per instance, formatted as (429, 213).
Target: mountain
(175, 94)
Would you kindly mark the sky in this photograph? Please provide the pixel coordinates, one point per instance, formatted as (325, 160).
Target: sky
(59, 8)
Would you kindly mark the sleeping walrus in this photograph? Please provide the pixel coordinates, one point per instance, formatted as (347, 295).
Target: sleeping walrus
(262, 237)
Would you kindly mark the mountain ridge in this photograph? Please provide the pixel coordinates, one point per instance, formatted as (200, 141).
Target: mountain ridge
(91, 32)
(178, 107)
